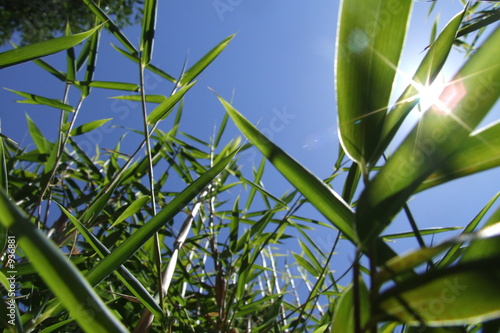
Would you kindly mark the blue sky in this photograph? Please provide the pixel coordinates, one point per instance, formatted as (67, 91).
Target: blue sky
(280, 69)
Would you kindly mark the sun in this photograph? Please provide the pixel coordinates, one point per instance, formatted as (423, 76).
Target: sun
(429, 95)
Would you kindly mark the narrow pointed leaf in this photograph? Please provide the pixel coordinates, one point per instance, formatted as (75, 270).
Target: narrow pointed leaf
(109, 85)
(148, 31)
(85, 128)
(123, 274)
(369, 45)
(42, 49)
(43, 145)
(133, 208)
(58, 74)
(35, 99)
(484, 22)
(452, 252)
(481, 151)
(423, 232)
(137, 98)
(58, 273)
(198, 67)
(150, 67)
(329, 203)
(426, 72)
(91, 63)
(70, 58)
(112, 27)
(162, 110)
(123, 252)
(302, 262)
(463, 294)
(441, 131)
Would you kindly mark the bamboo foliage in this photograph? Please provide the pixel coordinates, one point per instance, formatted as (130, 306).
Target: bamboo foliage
(175, 235)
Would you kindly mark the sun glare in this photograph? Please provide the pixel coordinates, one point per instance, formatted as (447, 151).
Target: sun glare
(429, 95)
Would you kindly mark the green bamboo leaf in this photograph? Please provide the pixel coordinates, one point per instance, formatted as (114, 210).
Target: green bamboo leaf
(91, 63)
(234, 226)
(463, 294)
(351, 182)
(35, 99)
(423, 232)
(112, 27)
(137, 98)
(329, 203)
(123, 274)
(369, 45)
(42, 49)
(148, 31)
(163, 110)
(401, 264)
(58, 273)
(133, 208)
(123, 252)
(221, 130)
(426, 72)
(198, 67)
(56, 327)
(43, 145)
(483, 22)
(343, 318)
(452, 252)
(434, 30)
(58, 74)
(150, 67)
(109, 85)
(258, 177)
(305, 264)
(70, 57)
(479, 152)
(415, 329)
(441, 131)
(83, 56)
(489, 246)
(85, 128)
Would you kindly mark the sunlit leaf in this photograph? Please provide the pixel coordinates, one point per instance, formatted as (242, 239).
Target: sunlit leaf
(463, 294)
(319, 194)
(42, 49)
(35, 99)
(109, 85)
(163, 110)
(441, 131)
(137, 98)
(369, 44)
(426, 72)
(198, 67)
(85, 128)
(479, 152)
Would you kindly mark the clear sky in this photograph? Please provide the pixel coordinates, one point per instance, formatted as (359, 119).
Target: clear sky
(280, 68)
